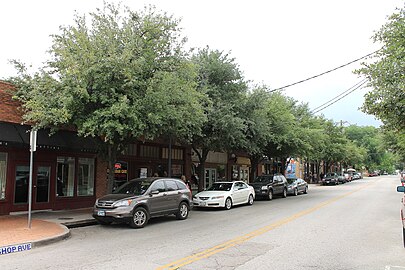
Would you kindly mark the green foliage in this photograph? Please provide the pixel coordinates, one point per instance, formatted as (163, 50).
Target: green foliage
(116, 75)
(221, 81)
(386, 75)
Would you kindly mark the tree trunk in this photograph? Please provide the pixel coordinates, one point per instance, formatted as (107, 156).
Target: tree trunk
(112, 158)
(202, 157)
(254, 162)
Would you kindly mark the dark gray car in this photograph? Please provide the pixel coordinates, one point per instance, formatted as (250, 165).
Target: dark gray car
(266, 186)
(143, 198)
(331, 178)
(296, 186)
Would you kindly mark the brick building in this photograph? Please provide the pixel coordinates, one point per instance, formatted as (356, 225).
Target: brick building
(68, 171)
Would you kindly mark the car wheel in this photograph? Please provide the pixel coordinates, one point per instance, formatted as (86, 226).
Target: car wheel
(306, 190)
(250, 200)
(295, 192)
(284, 193)
(228, 203)
(270, 195)
(183, 211)
(139, 218)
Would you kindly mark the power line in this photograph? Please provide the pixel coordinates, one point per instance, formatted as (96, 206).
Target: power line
(323, 73)
(341, 94)
(334, 100)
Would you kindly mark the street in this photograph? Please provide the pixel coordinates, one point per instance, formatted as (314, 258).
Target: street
(351, 226)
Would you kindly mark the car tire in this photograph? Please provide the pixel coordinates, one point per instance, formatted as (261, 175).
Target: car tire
(285, 193)
(182, 212)
(139, 218)
(306, 190)
(250, 200)
(228, 203)
(270, 195)
(295, 191)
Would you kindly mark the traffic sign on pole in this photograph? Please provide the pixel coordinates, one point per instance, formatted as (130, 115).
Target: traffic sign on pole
(33, 148)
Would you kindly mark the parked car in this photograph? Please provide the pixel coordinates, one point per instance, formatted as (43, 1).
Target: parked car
(342, 178)
(372, 174)
(330, 178)
(143, 198)
(225, 194)
(357, 176)
(402, 189)
(267, 186)
(296, 186)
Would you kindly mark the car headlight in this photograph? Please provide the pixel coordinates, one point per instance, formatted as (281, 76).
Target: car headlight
(217, 197)
(122, 203)
(264, 188)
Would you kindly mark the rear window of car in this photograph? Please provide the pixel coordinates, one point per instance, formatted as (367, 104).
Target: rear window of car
(171, 185)
(181, 185)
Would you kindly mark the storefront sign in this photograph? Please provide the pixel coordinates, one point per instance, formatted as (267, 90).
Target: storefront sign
(15, 248)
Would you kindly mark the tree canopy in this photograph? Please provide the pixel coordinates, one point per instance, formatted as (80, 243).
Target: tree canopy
(117, 76)
(386, 74)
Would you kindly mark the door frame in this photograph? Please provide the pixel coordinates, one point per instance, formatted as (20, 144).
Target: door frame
(34, 204)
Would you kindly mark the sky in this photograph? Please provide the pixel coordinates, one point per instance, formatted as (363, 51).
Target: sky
(275, 43)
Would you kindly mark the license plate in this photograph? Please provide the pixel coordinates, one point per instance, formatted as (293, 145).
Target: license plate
(203, 203)
(101, 213)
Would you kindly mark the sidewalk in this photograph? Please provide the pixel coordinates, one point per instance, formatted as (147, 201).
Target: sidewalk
(46, 227)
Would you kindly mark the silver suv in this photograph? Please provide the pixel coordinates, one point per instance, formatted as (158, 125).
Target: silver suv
(140, 199)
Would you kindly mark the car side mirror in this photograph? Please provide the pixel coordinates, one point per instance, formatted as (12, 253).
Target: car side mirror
(154, 192)
(400, 188)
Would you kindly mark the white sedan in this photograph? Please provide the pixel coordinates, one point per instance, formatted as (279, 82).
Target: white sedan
(225, 194)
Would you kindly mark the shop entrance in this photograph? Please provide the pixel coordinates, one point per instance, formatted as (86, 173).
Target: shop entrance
(41, 181)
(210, 177)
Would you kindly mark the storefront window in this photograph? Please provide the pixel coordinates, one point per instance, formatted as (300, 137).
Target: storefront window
(3, 171)
(65, 176)
(85, 181)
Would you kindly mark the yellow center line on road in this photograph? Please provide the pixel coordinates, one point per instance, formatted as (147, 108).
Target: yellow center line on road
(239, 240)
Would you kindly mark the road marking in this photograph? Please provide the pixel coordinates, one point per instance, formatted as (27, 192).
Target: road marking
(389, 267)
(241, 239)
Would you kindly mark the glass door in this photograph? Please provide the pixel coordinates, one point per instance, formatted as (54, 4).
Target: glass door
(41, 186)
(210, 177)
(40, 183)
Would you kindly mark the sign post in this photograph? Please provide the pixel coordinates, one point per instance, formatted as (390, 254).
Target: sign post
(33, 148)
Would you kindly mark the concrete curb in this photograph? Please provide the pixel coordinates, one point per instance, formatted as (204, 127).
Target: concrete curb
(80, 223)
(52, 239)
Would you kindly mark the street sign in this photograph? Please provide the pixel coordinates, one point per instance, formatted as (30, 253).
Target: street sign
(33, 140)
(33, 148)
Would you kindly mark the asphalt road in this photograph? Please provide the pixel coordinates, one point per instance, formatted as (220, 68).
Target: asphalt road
(350, 226)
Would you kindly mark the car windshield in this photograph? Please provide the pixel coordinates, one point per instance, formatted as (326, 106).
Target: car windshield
(136, 188)
(221, 186)
(263, 179)
(330, 174)
(291, 180)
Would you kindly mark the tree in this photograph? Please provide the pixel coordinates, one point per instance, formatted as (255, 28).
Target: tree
(115, 77)
(258, 126)
(386, 75)
(220, 79)
(289, 127)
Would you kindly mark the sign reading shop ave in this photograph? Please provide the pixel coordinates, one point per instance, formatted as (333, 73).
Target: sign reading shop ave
(15, 248)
